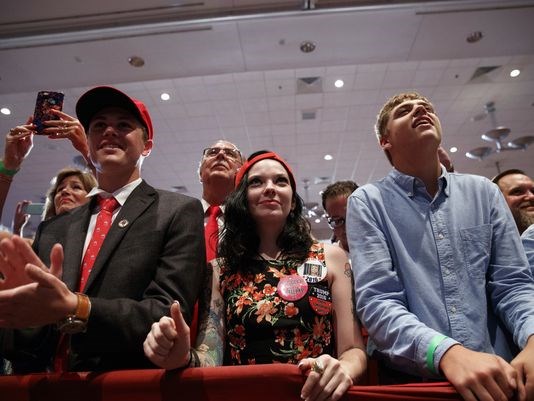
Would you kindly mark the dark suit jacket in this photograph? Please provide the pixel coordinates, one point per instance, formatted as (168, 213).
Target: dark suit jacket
(157, 257)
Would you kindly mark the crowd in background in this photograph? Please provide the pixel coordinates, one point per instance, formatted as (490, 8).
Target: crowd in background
(430, 271)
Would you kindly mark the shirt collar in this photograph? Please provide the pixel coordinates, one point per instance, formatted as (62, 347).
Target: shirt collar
(206, 205)
(409, 183)
(120, 194)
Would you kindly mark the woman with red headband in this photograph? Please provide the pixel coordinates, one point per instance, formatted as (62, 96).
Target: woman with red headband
(277, 296)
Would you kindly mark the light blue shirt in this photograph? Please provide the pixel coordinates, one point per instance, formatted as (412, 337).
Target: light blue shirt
(425, 267)
(528, 242)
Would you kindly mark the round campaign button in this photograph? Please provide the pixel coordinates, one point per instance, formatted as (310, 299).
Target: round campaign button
(312, 270)
(320, 300)
(292, 287)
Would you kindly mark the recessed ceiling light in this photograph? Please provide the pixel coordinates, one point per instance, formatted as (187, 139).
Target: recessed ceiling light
(339, 83)
(5, 111)
(328, 157)
(453, 149)
(317, 221)
(474, 37)
(165, 96)
(136, 61)
(307, 46)
(515, 73)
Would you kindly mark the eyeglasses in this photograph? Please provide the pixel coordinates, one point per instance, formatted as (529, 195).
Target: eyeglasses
(335, 222)
(213, 152)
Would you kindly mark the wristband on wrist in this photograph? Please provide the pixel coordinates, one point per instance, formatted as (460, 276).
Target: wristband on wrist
(6, 171)
(431, 350)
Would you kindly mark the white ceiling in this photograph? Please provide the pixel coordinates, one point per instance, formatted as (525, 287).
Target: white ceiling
(231, 68)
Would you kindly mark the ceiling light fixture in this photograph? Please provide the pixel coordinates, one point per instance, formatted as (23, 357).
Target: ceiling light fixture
(474, 37)
(307, 46)
(497, 135)
(515, 73)
(136, 61)
(165, 96)
(5, 111)
(453, 149)
(328, 157)
(339, 83)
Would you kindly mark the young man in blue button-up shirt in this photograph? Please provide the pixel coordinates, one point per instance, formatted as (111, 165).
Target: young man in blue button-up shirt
(437, 260)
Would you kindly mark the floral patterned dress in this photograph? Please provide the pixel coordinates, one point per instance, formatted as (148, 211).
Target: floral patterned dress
(262, 327)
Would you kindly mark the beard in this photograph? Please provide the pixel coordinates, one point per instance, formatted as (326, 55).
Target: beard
(523, 220)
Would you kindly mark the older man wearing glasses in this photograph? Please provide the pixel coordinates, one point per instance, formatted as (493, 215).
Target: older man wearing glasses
(217, 169)
(334, 199)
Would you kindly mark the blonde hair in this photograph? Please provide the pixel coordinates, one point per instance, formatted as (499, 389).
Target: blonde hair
(88, 181)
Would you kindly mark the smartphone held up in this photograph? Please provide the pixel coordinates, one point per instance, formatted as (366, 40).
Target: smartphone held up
(46, 101)
(33, 208)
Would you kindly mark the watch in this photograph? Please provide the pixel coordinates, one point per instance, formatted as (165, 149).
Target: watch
(77, 322)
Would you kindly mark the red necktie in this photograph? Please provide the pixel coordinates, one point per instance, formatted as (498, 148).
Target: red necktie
(211, 232)
(103, 223)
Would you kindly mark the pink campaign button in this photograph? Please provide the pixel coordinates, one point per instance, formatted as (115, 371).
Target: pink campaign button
(292, 288)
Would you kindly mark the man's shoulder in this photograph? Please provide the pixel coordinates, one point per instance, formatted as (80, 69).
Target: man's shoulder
(464, 177)
(471, 183)
(528, 233)
(169, 196)
(374, 188)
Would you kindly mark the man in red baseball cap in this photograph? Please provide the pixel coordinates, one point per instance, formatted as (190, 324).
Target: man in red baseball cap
(114, 270)
(103, 97)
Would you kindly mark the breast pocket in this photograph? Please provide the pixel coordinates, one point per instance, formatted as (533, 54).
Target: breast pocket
(476, 245)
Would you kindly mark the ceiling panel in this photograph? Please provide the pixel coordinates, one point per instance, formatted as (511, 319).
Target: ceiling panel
(234, 76)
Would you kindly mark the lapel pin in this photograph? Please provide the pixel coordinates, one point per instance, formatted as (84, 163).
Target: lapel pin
(123, 223)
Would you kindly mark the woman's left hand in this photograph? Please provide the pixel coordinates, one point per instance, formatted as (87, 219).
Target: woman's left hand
(328, 379)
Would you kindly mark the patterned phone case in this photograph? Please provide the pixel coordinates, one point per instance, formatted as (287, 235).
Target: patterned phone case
(46, 100)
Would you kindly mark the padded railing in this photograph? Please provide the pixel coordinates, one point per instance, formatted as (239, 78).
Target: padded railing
(236, 383)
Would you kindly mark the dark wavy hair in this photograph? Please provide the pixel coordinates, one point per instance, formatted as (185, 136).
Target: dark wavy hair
(240, 241)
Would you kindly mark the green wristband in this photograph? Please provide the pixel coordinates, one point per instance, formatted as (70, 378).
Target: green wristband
(436, 340)
(5, 171)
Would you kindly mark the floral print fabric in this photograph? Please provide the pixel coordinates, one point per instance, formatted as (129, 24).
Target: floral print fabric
(262, 327)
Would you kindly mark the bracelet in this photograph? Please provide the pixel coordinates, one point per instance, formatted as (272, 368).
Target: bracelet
(6, 171)
(194, 361)
(431, 350)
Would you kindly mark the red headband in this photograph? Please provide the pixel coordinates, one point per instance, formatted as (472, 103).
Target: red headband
(269, 155)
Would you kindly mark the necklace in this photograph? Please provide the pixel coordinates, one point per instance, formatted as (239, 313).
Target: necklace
(268, 258)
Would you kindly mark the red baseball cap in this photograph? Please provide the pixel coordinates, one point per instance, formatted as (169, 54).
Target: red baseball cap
(101, 97)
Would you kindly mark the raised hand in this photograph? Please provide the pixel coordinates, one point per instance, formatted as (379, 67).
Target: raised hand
(70, 128)
(19, 142)
(20, 218)
(40, 297)
(167, 345)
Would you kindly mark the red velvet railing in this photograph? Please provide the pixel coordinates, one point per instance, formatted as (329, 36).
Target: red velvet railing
(239, 383)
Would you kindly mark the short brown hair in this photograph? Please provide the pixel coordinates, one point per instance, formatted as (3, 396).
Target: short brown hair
(338, 188)
(498, 177)
(88, 181)
(383, 116)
